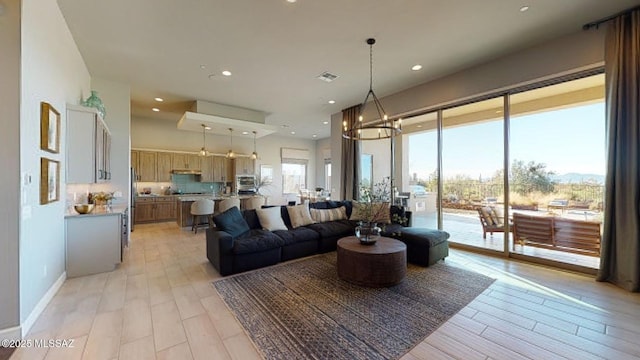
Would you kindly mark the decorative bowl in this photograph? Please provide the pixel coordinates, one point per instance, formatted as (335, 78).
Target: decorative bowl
(83, 208)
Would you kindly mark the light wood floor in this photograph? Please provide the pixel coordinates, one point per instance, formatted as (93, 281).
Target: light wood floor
(160, 305)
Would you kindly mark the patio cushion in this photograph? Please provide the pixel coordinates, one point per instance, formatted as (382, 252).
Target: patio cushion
(486, 215)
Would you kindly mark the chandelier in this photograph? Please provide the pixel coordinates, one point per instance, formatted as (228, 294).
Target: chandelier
(230, 153)
(380, 128)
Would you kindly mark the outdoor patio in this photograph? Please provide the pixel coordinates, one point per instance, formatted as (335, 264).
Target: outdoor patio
(465, 228)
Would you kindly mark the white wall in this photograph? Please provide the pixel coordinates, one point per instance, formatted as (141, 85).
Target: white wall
(561, 56)
(10, 165)
(52, 71)
(117, 102)
(323, 151)
(163, 135)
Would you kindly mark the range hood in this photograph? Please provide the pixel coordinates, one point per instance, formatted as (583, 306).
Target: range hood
(186, 172)
(221, 117)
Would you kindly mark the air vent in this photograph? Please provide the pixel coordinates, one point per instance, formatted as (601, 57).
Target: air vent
(327, 77)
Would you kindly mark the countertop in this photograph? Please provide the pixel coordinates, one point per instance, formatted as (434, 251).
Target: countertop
(212, 197)
(97, 211)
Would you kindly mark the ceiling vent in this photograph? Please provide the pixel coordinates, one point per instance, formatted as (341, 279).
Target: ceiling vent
(327, 77)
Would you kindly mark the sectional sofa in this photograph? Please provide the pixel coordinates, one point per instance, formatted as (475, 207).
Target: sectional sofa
(239, 243)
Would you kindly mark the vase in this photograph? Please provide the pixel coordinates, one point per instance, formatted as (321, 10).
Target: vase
(95, 102)
(368, 233)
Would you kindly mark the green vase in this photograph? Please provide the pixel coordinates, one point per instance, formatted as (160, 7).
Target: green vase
(94, 101)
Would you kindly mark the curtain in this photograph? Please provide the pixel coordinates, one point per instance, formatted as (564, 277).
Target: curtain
(620, 255)
(350, 156)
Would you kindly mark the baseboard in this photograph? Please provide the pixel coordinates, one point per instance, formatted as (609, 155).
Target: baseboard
(42, 304)
(13, 333)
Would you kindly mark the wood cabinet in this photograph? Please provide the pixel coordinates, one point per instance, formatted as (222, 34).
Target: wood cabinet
(155, 209)
(163, 166)
(206, 167)
(88, 146)
(146, 166)
(244, 166)
(134, 164)
(222, 169)
(186, 161)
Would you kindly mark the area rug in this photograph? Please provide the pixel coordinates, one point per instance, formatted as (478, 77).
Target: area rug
(302, 310)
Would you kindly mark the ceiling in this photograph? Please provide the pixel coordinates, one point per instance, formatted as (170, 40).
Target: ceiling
(275, 49)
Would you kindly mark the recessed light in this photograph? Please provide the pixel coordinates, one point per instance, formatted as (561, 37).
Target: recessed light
(314, 135)
(332, 101)
(416, 67)
(325, 122)
(207, 127)
(159, 99)
(419, 126)
(203, 66)
(155, 109)
(226, 73)
(293, 133)
(245, 133)
(524, 8)
(291, 1)
(212, 76)
(284, 126)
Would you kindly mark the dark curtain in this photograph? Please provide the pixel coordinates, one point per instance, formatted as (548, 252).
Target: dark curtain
(350, 156)
(620, 256)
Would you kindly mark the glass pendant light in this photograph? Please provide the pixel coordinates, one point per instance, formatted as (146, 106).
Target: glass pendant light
(230, 153)
(203, 150)
(254, 154)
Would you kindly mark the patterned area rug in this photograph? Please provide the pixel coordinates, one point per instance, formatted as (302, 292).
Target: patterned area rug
(302, 310)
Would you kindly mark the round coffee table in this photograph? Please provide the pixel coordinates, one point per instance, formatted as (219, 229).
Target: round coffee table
(379, 265)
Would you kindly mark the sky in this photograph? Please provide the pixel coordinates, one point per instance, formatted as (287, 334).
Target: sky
(569, 140)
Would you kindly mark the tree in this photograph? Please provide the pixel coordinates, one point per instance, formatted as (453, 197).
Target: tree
(529, 177)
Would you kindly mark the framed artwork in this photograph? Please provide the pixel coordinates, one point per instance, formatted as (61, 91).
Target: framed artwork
(49, 128)
(49, 181)
(266, 174)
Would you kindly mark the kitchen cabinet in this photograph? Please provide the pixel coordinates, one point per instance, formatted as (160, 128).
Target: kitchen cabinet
(222, 169)
(163, 166)
(155, 209)
(206, 167)
(146, 169)
(244, 166)
(88, 146)
(134, 164)
(185, 161)
(94, 243)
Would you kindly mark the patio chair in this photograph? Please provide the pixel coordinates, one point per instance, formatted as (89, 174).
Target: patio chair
(490, 220)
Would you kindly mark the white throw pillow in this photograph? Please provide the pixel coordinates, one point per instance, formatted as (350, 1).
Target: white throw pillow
(299, 215)
(270, 219)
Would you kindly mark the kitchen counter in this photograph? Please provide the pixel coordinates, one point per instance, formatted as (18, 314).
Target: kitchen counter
(211, 196)
(184, 202)
(99, 210)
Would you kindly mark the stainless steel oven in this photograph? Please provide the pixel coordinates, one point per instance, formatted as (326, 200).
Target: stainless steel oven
(246, 184)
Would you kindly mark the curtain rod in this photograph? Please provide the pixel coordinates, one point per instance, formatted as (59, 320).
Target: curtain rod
(597, 23)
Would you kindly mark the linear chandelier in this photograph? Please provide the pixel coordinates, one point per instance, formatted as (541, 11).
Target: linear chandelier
(383, 128)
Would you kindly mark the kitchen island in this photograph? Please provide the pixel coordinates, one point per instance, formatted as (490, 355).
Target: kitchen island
(183, 205)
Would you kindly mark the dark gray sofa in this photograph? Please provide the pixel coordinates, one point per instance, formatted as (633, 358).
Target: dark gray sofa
(257, 248)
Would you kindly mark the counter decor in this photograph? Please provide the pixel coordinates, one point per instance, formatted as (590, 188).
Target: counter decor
(95, 102)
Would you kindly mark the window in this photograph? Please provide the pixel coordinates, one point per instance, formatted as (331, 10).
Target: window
(294, 176)
(327, 175)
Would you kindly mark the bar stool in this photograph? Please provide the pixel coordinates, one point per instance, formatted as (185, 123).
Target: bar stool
(227, 204)
(254, 202)
(203, 207)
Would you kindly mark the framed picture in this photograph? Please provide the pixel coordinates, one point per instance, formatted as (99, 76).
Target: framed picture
(266, 174)
(49, 181)
(49, 128)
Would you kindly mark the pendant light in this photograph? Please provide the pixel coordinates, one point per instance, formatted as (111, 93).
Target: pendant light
(203, 150)
(254, 154)
(230, 153)
(374, 129)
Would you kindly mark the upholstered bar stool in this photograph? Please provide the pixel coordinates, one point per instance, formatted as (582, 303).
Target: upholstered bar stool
(203, 207)
(227, 204)
(254, 202)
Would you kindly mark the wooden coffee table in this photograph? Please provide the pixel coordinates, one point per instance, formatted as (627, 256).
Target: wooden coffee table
(379, 265)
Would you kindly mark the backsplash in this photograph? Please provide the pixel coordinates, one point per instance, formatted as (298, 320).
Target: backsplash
(180, 183)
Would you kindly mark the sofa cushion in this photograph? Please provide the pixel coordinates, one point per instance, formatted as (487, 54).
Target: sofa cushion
(333, 228)
(252, 219)
(423, 236)
(271, 219)
(297, 235)
(232, 222)
(256, 240)
(299, 215)
(324, 215)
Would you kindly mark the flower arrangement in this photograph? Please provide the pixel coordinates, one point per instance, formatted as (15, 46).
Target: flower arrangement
(100, 198)
(373, 204)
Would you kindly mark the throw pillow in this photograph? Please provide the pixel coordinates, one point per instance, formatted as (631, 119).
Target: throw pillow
(324, 215)
(299, 215)
(496, 216)
(270, 219)
(232, 222)
(380, 210)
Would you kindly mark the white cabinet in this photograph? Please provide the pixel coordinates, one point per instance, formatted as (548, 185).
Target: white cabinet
(88, 146)
(94, 243)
